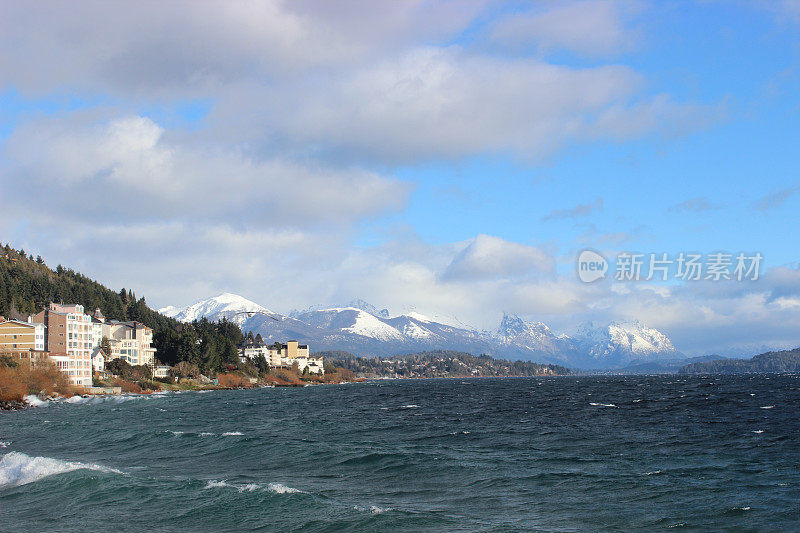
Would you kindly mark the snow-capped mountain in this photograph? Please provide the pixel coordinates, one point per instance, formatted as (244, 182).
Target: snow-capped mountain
(362, 329)
(621, 343)
(226, 305)
(535, 337)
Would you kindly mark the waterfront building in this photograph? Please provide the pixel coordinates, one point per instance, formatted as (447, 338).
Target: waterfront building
(69, 336)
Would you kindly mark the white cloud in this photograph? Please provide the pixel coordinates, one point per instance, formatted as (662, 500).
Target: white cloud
(303, 78)
(487, 257)
(126, 168)
(591, 28)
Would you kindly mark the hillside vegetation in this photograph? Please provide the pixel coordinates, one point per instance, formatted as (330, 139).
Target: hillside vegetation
(787, 361)
(440, 364)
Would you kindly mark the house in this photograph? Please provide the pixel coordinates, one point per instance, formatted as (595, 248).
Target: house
(313, 365)
(98, 360)
(161, 371)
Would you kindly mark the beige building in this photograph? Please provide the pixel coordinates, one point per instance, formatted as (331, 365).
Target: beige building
(129, 341)
(22, 340)
(69, 336)
(73, 338)
(282, 355)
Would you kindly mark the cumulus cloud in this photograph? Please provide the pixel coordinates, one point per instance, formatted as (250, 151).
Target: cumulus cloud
(194, 47)
(303, 78)
(72, 168)
(487, 257)
(594, 28)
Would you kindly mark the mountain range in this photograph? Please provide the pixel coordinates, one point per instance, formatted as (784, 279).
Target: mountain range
(362, 329)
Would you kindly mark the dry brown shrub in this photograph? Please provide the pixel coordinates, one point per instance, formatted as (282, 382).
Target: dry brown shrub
(233, 381)
(11, 387)
(286, 375)
(127, 386)
(45, 376)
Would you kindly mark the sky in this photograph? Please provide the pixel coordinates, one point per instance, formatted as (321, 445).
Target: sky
(451, 158)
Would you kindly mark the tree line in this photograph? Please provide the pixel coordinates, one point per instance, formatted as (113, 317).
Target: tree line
(440, 363)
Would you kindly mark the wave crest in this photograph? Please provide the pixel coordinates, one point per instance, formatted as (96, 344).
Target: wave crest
(17, 468)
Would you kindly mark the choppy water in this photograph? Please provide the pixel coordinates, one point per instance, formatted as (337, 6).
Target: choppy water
(555, 454)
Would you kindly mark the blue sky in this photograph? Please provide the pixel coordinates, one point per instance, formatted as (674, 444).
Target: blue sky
(447, 157)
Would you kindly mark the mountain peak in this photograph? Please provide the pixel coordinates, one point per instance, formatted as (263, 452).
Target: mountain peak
(226, 305)
(358, 303)
(514, 326)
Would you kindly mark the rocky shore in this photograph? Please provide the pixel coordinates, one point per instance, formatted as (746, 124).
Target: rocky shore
(12, 405)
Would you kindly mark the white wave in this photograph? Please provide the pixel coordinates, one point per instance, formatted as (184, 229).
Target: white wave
(207, 434)
(217, 484)
(232, 434)
(602, 404)
(279, 488)
(78, 399)
(637, 401)
(16, 468)
(34, 401)
(653, 473)
(374, 509)
(276, 488)
(5, 443)
(177, 433)
(758, 431)
(409, 406)
(768, 407)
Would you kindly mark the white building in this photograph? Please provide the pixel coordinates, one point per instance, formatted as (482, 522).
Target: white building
(282, 355)
(313, 364)
(98, 360)
(129, 341)
(161, 371)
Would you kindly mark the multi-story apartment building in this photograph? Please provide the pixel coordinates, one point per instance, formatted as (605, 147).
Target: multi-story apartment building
(69, 337)
(22, 340)
(251, 350)
(130, 341)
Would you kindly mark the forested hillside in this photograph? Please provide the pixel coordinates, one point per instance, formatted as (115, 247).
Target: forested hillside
(27, 284)
(440, 363)
(770, 362)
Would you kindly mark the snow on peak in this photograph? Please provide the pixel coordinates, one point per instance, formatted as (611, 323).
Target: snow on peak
(169, 311)
(368, 325)
(225, 305)
(418, 316)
